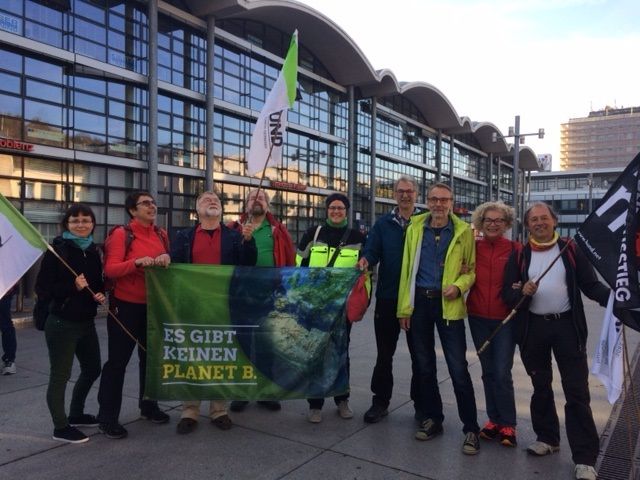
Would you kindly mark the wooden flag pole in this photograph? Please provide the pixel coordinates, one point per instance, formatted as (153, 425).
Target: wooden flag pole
(485, 345)
(52, 250)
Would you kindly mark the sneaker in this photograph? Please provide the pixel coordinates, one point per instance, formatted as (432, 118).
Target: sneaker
(540, 449)
(155, 415)
(272, 405)
(84, 420)
(471, 444)
(585, 472)
(238, 405)
(490, 430)
(113, 430)
(9, 368)
(375, 413)
(428, 429)
(69, 434)
(344, 411)
(508, 436)
(186, 425)
(223, 422)
(314, 415)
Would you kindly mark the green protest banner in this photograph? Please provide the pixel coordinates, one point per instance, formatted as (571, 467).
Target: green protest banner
(245, 333)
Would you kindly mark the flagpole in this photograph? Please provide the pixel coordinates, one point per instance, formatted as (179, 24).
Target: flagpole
(264, 172)
(485, 345)
(75, 274)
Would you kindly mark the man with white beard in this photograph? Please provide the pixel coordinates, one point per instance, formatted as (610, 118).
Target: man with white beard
(211, 242)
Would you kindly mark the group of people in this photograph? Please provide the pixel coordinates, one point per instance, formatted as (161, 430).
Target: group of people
(433, 272)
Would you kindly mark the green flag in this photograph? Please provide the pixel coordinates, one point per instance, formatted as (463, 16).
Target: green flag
(223, 332)
(20, 245)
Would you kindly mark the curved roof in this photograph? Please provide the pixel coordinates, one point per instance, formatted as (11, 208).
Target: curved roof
(348, 65)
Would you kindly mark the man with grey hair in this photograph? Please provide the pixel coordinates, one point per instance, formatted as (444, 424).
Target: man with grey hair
(553, 321)
(384, 245)
(211, 242)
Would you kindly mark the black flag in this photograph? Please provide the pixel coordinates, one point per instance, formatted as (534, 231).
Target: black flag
(609, 237)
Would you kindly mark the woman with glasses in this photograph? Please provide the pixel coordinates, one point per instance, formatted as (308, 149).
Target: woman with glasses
(486, 310)
(317, 249)
(128, 250)
(70, 330)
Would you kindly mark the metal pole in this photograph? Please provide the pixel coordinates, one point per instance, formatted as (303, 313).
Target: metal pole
(152, 151)
(211, 38)
(590, 183)
(490, 179)
(374, 130)
(516, 168)
(351, 150)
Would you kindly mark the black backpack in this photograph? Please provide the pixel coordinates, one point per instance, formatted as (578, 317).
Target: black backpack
(44, 301)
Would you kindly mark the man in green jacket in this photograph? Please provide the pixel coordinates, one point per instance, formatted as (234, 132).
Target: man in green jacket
(438, 247)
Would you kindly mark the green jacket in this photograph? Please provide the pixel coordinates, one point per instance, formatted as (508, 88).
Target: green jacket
(461, 250)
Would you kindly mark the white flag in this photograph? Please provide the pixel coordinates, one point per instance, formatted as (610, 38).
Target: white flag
(20, 245)
(268, 135)
(607, 359)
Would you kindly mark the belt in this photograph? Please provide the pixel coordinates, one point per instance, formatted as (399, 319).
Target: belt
(553, 316)
(429, 292)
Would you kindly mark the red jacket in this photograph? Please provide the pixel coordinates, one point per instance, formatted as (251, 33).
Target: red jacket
(130, 285)
(484, 298)
(284, 252)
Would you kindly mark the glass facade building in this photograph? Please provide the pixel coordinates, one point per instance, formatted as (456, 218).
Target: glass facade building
(102, 97)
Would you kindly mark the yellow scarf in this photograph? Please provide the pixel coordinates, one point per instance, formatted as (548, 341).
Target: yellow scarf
(541, 247)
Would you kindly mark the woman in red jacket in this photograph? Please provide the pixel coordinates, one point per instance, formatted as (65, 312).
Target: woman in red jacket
(128, 250)
(486, 310)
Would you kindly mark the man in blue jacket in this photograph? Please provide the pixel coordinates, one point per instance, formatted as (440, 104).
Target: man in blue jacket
(384, 246)
(211, 242)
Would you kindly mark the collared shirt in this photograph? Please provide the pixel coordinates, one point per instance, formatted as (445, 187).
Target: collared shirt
(435, 243)
(206, 246)
(399, 219)
(264, 243)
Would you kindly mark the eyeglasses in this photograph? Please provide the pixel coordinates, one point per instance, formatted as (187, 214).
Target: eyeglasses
(80, 222)
(402, 191)
(438, 199)
(336, 209)
(495, 221)
(146, 203)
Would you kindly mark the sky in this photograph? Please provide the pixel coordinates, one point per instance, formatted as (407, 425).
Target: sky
(545, 60)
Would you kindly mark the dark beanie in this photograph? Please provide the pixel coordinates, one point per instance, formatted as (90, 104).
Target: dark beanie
(337, 196)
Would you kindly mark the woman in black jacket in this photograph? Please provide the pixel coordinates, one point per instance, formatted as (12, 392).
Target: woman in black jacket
(70, 328)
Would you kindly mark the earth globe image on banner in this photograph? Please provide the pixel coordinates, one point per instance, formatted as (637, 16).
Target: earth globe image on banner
(301, 338)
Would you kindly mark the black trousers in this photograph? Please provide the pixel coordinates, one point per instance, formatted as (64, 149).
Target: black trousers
(559, 336)
(134, 317)
(387, 330)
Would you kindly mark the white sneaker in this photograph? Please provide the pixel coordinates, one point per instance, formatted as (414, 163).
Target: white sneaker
(314, 415)
(541, 449)
(9, 368)
(585, 472)
(344, 411)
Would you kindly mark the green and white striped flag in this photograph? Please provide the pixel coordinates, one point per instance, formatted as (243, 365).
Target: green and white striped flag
(268, 135)
(20, 245)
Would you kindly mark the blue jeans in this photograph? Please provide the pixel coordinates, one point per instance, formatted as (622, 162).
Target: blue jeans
(427, 314)
(496, 361)
(9, 343)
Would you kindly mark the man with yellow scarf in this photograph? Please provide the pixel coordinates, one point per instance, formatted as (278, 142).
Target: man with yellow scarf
(553, 320)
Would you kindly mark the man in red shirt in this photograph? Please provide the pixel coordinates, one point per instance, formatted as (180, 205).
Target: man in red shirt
(211, 242)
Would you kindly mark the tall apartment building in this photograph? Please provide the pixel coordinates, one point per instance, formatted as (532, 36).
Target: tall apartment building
(608, 138)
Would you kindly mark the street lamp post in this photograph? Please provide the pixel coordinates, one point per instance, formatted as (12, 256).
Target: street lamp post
(515, 133)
